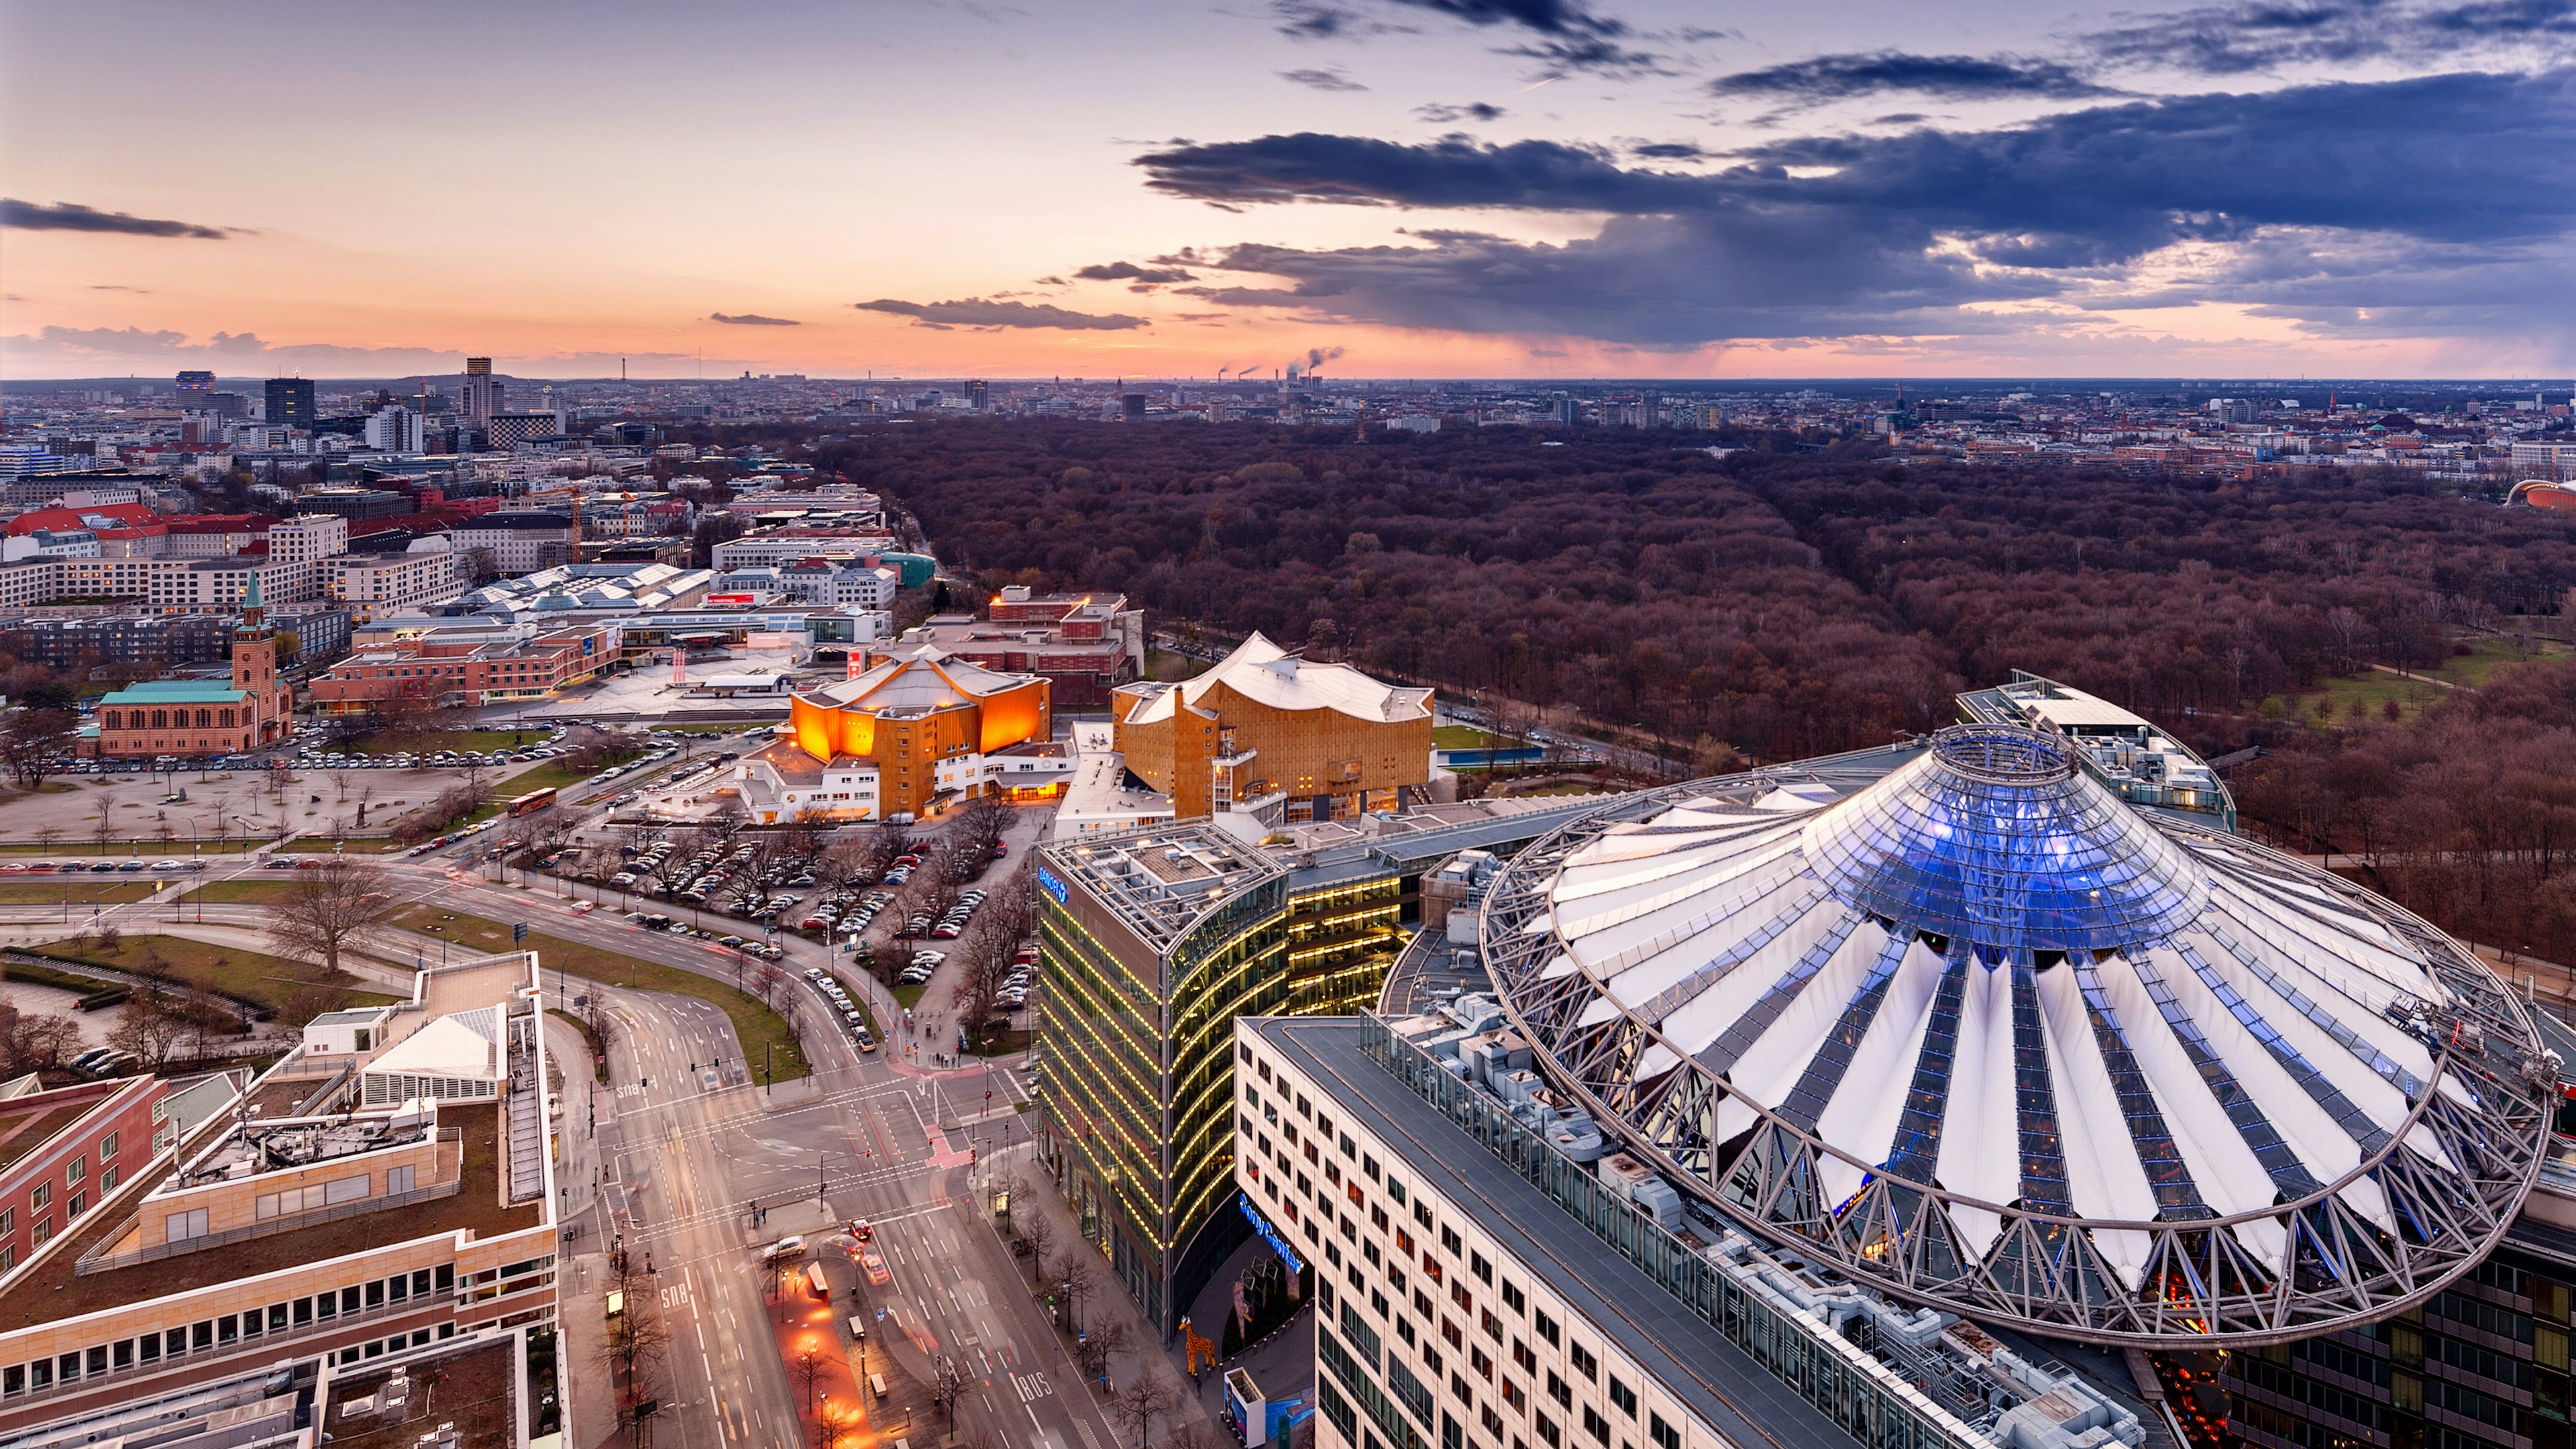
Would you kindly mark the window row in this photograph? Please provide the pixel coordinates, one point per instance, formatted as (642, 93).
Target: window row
(223, 1333)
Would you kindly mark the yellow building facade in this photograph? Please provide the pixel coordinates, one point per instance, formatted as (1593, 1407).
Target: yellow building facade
(1325, 741)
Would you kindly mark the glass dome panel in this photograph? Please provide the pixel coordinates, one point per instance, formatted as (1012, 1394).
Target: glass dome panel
(1997, 839)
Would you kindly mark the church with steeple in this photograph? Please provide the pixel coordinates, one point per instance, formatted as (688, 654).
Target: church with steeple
(192, 717)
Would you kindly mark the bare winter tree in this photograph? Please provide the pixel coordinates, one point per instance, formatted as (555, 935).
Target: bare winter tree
(947, 1384)
(327, 906)
(33, 741)
(638, 1340)
(1142, 1400)
(1038, 1231)
(150, 1027)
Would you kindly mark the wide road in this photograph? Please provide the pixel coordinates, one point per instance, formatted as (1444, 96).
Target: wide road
(682, 1157)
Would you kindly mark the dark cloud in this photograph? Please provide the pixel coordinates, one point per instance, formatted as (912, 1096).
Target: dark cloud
(752, 319)
(1671, 151)
(1452, 171)
(984, 312)
(2252, 36)
(1827, 78)
(1130, 272)
(1548, 17)
(1443, 115)
(1566, 37)
(72, 216)
(1860, 234)
(1322, 80)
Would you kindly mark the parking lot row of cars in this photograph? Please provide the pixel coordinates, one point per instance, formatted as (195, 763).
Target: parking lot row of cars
(852, 1019)
(97, 867)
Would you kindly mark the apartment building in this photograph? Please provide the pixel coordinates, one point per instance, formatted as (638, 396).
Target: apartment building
(1085, 645)
(210, 566)
(66, 1150)
(373, 584)
(779, 547)
(519, 542)
(1476, 1287)
(253, 1255)
(467, 667)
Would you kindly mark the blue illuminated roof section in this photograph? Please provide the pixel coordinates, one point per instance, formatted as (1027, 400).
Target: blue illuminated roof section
(1995, 838)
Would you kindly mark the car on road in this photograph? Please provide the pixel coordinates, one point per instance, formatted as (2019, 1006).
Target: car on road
(875, 1263)
(786, 1248)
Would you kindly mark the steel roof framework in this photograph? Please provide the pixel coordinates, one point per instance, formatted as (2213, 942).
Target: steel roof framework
(2202, 1285)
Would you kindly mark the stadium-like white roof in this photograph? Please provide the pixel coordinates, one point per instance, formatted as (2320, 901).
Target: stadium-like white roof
(1265, 673)
(1984, 1032)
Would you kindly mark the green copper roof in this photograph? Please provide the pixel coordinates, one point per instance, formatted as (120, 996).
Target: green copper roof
(175, 691)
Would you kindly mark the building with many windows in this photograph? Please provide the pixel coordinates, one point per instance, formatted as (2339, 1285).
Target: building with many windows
(276, 1242)
(466, 666)
(1152, 941)
(372, 584)
(1085, 645)
(65, 1151)
(1483, 1282)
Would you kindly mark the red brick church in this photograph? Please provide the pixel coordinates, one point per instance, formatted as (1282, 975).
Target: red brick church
(190, 717)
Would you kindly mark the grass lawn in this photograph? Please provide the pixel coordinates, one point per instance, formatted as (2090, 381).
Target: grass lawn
(908, 996)
(1468, 737)
(755, 1026)
(2485, 656)
(75, 888)
(552, 775)
(598, 1057)
(261, 891)
(1000, 1042)
(353, 845)
(266, 979)
(2362, 696)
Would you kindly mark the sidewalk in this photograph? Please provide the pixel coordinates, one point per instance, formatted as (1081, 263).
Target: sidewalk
(1033, 1191)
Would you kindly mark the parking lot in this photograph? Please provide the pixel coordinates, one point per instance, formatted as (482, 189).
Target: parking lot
(183, 808)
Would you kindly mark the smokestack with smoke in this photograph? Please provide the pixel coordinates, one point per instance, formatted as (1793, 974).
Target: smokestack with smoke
(1318, 356)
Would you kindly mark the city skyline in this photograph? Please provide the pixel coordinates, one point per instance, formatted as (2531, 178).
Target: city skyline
(1385, 188)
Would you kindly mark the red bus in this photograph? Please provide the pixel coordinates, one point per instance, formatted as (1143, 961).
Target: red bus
(532, 802)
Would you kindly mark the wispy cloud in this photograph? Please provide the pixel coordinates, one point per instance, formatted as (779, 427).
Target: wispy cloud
(72, 216)
(752, 319)
(1322, 80)
(1447, 115)
(983, 312)
(1130, 272)
(1827, 78)
(1563, 36)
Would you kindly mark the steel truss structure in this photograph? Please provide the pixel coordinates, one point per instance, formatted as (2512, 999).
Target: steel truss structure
(2451, 1175)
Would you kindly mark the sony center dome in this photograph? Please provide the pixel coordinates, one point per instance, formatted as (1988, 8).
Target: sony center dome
(1989, 1038)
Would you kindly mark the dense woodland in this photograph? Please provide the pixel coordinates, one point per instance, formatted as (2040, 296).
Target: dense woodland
(1787, 601)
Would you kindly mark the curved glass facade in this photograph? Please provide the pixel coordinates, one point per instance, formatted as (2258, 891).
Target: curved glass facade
(2000, 841)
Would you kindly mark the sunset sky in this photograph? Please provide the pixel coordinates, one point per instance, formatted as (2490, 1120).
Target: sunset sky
(1436, 188)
